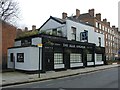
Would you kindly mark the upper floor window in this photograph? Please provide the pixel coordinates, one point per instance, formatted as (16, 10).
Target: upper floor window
(84, 36)
(73, 33)
(103, 28)
(26, 42)
(96, 24)
(99, 38)
(54, 31)
(99, 26)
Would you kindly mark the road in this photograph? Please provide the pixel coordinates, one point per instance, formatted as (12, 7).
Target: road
(101, 79)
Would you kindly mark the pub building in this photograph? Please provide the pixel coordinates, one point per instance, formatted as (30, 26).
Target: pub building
(51, 53)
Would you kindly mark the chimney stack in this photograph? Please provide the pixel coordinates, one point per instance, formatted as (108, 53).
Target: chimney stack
(64, 15)
(108, 24)
(26, 29)
(105, 20)
(33, 27)
(77, 12)
(91, 12)
(98, 16)
(113, 27)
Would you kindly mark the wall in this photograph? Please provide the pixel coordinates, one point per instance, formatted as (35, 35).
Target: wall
(8, 36)
(35, 41)
(31, 58)
(92, 36)
(52, 24)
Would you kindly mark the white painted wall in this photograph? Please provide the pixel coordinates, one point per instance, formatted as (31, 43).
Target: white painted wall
(92, 36)
(66, 30)
(59, 66)
(76, 64)
(90, 63)
(52, 24)
(31, 58)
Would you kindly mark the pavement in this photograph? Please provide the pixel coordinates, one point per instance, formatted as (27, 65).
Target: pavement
(14, 78)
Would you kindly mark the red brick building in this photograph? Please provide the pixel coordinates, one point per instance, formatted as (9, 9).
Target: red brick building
(7, 34)
(110, 33)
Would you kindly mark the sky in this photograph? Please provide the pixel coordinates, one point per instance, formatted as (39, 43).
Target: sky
(36, 12)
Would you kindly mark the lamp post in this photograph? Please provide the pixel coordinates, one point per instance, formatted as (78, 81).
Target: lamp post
(40, 46)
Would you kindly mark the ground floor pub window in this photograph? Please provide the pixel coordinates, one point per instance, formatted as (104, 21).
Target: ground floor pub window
(20, 57)
(98, 57)
(89, 57)
(75, 58)
(58, 58)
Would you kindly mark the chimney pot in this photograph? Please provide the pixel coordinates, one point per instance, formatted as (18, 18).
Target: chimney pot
(105, 20)
(113, 27)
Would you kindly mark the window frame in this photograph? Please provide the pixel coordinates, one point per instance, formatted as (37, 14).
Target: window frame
(74, 58)
(57, 58)
(73, 33)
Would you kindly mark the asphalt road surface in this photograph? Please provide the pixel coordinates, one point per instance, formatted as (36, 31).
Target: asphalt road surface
(101, 79)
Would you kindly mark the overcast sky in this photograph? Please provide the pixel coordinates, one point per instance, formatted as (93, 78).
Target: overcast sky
(36, 12)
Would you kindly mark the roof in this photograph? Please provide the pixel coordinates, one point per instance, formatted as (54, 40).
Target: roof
(79, 21)
(63, 21)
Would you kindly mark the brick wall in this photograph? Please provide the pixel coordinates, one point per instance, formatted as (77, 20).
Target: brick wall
(8, 36)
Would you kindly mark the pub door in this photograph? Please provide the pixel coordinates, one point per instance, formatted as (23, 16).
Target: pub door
(49, 62)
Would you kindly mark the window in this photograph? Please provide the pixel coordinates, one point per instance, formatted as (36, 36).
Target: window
(98, 57)
(20, 57)
(103, 28)
(26, 42)
(99, 41)
(99, 26)
(96, 25)
(84, 36)
(75, 58)
(89, 57)
(54, 31)
(11, 57)
(58, 58)
(73, 33)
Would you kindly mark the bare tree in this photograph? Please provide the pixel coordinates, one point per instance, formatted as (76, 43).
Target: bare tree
(9, 11)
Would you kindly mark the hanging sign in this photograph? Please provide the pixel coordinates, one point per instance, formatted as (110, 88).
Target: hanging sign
(39, 45)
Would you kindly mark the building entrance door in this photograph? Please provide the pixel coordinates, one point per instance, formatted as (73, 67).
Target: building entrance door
(49, 62)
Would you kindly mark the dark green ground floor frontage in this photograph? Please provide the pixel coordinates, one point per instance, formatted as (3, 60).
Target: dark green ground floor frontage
(55, 54)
